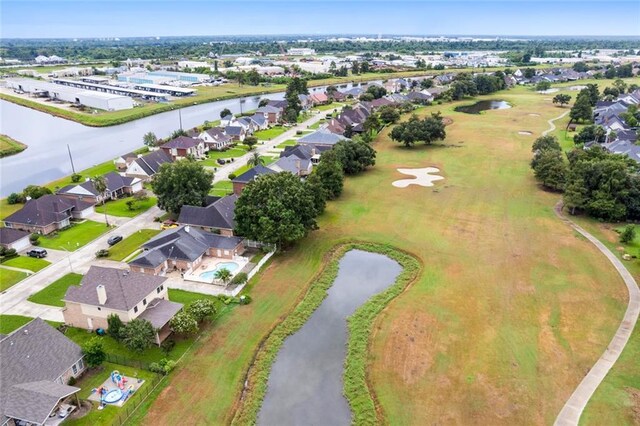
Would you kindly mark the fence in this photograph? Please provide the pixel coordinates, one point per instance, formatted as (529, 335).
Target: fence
(136, 400)
(118, 359)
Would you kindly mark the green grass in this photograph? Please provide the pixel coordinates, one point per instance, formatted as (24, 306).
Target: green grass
(9, 323)
(26, 262)
(221, 188)
(74, 237)
(9, 278)
(130, 244)
(288, 142)
(271, 133)
(317, 125)
(97, 170)
(53, 293)
(327, 107)
(10, 146)
(92, 379)
(119, 207)
(235, 152)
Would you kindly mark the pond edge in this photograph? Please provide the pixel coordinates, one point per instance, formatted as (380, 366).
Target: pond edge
(357, 389)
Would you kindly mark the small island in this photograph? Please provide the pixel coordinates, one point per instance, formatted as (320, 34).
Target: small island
(9, 146)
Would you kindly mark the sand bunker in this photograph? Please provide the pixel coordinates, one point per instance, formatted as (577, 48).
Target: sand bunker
(421, 177)
(548, 91)
(525, 132)
(577, 87)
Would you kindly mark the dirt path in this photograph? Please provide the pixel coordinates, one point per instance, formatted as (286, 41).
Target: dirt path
(552, 125)
(573, 408)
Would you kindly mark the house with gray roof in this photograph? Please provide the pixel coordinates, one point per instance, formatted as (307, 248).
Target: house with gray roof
(321, 137)
(148, 165)
(117, 186)
(14, 239)
(48, 213)
(293, 165)
(271, 113)
(216, 216)
(184, 249)
(215, 138)
(183, 147)
(237, 133)
(37, 363)
(127, 294)
(253, 173)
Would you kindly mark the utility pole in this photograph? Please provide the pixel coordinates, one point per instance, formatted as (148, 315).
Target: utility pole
(241, 102)
(180, 117)
(71, 158)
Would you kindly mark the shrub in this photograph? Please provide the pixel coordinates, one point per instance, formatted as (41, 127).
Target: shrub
(245, 299)
(10, 253)
(15, 198)
(169, 365)
(35, 191)
(34, 237)
(628, 234)
(138, 335)
(184, 323)
(115, 325)
(167, 346)
(76, 178)
(102, 253)
(201, 309)
(72, 381)
(93, 351)
(155, 367)
(240, 278)
(232, 176)
(131, 204)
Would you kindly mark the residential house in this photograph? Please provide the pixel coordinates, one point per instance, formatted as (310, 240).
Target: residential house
(227, 120)
(304, 152)
(247, 124)
(148, 165)
(321, 137)
(624, 147)
(305, 101)
(37, 363)
(129, 295)
(420, 97)
(14, 239)
(117, 186)
(318, 99)
(183, 249)
(236, 133)
(123, 161)
(215, 138)
(48, 213)
(259, 121)
(184, 147)
(241, 181)
(216, 216)
(271, 113)
(294, 165)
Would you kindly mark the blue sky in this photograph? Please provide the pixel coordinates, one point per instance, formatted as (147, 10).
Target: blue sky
(130, 18)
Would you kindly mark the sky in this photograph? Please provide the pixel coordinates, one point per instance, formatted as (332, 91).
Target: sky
(138, 18)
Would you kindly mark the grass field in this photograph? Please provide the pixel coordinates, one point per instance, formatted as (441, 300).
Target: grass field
(271, 133)
(236, 152)
(26, 262)
(10, 146)
(53, 293)
(119, 207)
(222, 188)
(130, 244)
(500, 326)
(74, 237)
(9, 323)
(9, 278)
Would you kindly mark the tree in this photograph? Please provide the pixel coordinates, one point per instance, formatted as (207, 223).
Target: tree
(546, 142)
(250, 141)
(202, 309)
(100, 184)
(15, 198)
(181, 183)
(223, 275)
(177, 133)
(580, 67)
(348, 131)
(593, 92)
(628, 234)
(275, 209)
(93, 351)
(620, 85)
(590, 134)
(183, 323)
(371, 123)
(427, 130)
(354, 156)
(355, 67)
(550, 169)
(543, 86)
(317, 191)
(115, 326)
(331, 175)
(227, 111)
(263, 102)
(581, 110)
(138, 335)
(150, 139)
(376, 91)
(389, 114)
(255, 160)
(296, 87)
(426, 83)
(35, 191)
(562, 99)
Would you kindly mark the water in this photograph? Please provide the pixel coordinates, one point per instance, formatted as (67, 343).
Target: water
(210, 275)
(305, 384)
(480, 106)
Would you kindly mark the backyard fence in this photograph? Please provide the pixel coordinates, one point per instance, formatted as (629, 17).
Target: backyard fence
(118, 359)
(136, 400)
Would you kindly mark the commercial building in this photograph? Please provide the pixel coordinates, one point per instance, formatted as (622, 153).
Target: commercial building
(114, 90)
(301, 51)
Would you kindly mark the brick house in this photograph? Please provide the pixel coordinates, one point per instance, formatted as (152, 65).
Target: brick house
(117, 186)
(241, 181)
(183, 147)
(217, 216)
(48, 213)
(129, 295)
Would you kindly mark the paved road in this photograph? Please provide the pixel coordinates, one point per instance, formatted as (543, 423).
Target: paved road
(573, 408)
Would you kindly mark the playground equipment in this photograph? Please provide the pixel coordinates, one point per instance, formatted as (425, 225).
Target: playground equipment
(118, 379)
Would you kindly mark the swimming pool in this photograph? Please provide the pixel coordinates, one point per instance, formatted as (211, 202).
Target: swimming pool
(211, 274)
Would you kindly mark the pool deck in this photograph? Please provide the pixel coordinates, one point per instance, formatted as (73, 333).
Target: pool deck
(109, 385)
(210, 264)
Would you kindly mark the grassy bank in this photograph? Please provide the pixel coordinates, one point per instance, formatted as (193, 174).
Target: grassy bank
(9, 146)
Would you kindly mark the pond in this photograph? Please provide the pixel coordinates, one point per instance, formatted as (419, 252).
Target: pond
(480, 106)
(305, 384)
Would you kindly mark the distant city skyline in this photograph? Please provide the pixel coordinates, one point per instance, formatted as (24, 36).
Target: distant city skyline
(143, 18)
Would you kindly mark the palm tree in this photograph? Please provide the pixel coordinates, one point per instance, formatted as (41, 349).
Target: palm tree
(100, 184)
(223, 275)
(255, 160)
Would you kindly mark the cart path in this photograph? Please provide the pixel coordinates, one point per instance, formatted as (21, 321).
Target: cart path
(573, 408)
(552, 125)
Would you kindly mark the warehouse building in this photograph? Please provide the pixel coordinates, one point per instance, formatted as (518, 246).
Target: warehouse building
(115, 90)
(77, 96)
(168, 90)
(182, 76)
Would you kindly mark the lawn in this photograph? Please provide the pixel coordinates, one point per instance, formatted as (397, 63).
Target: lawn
(271, 133)
(97, 170)
(329, 107)
(26, 262)
(53, 293)
(74, 237)
(9, 278)
(130, 244)
(222, 188)
(501, 324)
(10, 146)
(9, 323)
(235, 152)
(288, 142)
(317, 125)
(92, 379)
(119, 207)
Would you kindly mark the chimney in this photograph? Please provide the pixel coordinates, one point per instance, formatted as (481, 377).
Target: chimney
(102, 294)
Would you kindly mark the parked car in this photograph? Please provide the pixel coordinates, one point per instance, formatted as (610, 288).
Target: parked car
(37, 252)
(114, 240)
(168, 224)
(65, 410)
